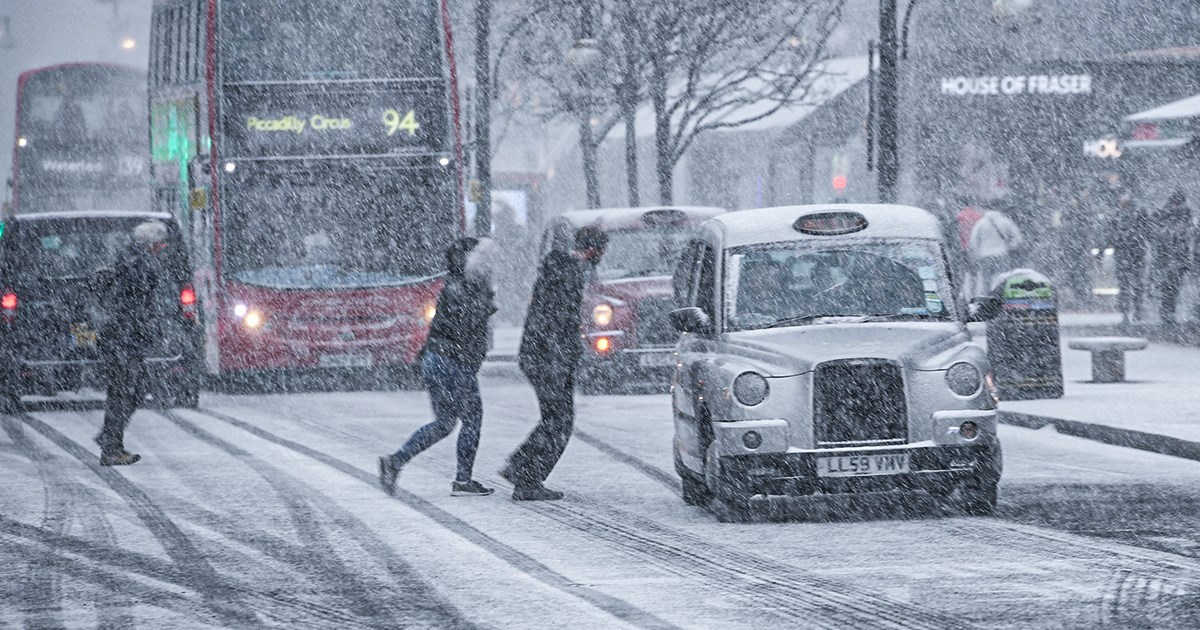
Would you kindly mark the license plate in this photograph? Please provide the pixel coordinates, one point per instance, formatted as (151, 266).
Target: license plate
(862, 465)
(83, 336)
(346, 360)
(656, 359)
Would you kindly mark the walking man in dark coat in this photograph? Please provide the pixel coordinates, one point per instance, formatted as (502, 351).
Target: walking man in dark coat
(1173, 228)
(550, 351)
(1127, 228)
(130, 332)
(454, 351)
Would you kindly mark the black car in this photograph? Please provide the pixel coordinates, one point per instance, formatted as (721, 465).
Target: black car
(55, 270)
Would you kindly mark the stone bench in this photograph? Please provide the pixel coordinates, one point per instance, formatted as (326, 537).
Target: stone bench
(1108, 355)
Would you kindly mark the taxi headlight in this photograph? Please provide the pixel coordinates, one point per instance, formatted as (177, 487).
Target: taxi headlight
(750, 388)
(602, 315)
(963, 379)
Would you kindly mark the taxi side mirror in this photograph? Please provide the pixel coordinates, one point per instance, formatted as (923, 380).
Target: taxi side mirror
(983, 308)
(691, 319)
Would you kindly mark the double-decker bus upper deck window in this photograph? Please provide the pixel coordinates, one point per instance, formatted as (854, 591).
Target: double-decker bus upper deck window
(320, 40)
(86, 140)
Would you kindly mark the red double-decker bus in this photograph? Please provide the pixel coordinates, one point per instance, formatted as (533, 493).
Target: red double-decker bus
(81, 139)
(312, 151)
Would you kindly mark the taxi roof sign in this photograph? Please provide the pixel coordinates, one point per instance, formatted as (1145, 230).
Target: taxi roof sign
(830, 223)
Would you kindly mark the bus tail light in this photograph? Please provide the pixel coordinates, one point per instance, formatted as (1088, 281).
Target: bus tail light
(602, 344)
(187, 301)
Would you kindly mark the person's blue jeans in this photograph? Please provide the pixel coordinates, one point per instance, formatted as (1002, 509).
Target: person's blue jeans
(454, 394)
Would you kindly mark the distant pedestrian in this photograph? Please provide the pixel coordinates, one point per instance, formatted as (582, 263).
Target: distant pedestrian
(550, 350)
(450, 361)
(1127, 229)
(128, 335)
(1172, 251)
(993, 245)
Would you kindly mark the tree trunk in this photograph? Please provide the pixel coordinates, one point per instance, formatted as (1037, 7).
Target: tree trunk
(629, 111)
(483, 118)
(587, 148)
(663, 160)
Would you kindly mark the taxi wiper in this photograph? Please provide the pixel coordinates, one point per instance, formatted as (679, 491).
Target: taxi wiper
(804, 319)
(889, 316)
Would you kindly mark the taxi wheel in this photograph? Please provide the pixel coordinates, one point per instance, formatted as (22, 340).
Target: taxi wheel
(978, 497)
(694, 491)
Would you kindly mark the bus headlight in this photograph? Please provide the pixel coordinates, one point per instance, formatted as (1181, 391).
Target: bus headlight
(963, 379)
(750, 388)
(253, 320)
(602, 315)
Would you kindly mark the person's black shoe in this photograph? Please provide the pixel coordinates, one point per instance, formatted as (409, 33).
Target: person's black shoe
(470, 488)
(535, 493)
(120, 458)
(388, 471)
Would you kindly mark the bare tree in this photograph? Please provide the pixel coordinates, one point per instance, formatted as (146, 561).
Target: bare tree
(720, 65)
(557, 55)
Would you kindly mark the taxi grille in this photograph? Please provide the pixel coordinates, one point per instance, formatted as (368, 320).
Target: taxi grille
(859, 402)
(654, 322)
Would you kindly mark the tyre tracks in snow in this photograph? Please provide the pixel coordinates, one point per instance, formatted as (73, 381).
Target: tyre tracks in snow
(206, 594)
(794, 594)
(378, 604)
(522, 562)
(1145, 585)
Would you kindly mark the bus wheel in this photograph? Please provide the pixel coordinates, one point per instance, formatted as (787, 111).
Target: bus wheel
(404, 377)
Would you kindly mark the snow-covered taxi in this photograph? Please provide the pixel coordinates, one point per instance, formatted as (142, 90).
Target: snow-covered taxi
(824, 351)
(626, 307)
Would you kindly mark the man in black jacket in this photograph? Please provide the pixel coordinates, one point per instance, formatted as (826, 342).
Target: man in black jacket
(131, 330)
(450, 363)
(550, 351)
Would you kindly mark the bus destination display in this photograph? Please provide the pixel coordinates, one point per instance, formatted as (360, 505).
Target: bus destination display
(265, 122)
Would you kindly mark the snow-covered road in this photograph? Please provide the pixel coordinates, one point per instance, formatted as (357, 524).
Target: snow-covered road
(264, 510)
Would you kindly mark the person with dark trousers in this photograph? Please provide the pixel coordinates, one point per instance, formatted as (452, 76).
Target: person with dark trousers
(550, 350)
(1127, 236)
(1173, 231)
(450, 361)
(129, 333)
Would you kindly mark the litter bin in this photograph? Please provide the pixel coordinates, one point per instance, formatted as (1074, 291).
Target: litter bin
(1023, 339)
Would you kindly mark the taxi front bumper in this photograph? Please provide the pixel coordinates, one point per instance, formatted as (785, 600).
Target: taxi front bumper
(934, 469)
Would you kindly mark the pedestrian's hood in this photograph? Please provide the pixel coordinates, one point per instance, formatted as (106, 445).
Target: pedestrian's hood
(799, 349)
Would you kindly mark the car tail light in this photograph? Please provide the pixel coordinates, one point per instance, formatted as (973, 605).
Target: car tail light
(8, 306)
(187, 301)
(602, 344)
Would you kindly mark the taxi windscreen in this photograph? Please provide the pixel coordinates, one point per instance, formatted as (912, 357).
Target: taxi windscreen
(641, 253)
(798, 283)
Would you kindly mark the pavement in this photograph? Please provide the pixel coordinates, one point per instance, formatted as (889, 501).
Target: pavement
(1156, 409)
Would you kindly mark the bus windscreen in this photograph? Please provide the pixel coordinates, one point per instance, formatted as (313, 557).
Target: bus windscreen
(322, 40)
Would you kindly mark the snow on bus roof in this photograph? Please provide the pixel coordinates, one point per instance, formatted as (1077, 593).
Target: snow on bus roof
(772, 225)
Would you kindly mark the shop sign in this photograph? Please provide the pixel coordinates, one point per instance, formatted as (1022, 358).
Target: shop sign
(1013, 85)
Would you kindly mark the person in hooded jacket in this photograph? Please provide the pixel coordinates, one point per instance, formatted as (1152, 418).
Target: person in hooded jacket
(1126, 231)
(1172, 245)
(550, 351)
(127, 336)
(994, 240)
(450, 362)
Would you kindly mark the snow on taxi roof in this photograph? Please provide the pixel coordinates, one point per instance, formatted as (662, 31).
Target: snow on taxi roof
(624, 218)
(770, 225)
